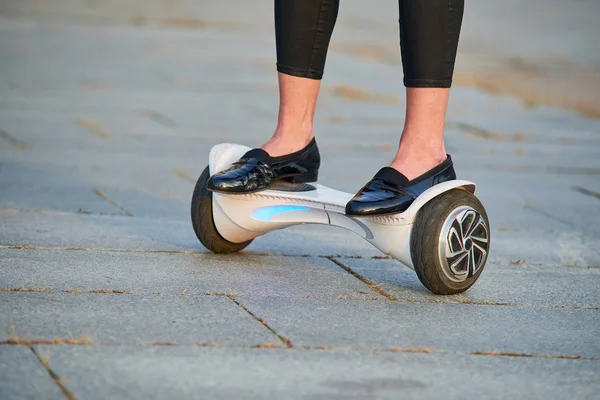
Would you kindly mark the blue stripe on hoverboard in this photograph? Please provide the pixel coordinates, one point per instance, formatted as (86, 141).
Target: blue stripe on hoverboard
(266, 213)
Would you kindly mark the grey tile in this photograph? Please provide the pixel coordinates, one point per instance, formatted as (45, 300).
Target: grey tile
(564, 247)
(47, 191)
(170, 274)
(444, 327)
(22, 376)
(132, 319)
(173, 372)
(499, 283)
(95, 231)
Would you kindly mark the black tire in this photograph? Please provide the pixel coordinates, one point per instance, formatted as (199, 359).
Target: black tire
(204, 224)
(427, 241)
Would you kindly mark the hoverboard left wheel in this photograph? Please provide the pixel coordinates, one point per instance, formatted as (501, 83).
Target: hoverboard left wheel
(203, 222)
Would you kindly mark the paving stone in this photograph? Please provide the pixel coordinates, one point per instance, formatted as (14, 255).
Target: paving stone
(151, 372)
(73, 230)
(22, 376)
(93, 231)
(443, 327)
(46, 190)
(522, 284)
(553, 248)
(170, 274)
(129, 318)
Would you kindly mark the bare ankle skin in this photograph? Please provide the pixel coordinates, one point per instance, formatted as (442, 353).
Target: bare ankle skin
(297, 104)
(422, 142)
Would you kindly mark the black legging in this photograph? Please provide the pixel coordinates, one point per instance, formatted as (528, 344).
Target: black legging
(429, 32)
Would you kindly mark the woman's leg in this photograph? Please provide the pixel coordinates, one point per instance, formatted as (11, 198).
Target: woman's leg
(303, 29)
(297, 103)
(429, 33)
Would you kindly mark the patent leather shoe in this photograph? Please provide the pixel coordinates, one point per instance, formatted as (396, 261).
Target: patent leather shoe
(257, 170)
(390, 192)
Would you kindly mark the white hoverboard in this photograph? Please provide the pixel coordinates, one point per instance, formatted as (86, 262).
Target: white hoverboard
(444, 236)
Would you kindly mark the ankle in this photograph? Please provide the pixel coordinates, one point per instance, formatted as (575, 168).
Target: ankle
(416, 161)
(294, 131)
(286, 141)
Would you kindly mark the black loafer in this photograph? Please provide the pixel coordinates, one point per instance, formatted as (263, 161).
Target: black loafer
(390, 192)
(257, 170)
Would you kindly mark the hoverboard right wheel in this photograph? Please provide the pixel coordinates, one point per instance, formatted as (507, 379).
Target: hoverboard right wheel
(450, 242)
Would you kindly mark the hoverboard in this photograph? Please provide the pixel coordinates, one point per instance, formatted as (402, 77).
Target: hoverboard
(444, 235)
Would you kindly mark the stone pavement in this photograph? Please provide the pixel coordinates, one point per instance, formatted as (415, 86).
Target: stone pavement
(107, 114)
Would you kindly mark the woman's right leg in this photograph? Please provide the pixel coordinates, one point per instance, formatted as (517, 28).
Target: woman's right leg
(303, 29)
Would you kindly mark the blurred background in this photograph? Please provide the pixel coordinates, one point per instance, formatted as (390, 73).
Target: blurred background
(111, 106)
(540, 51)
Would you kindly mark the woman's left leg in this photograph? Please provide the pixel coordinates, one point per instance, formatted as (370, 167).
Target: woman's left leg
(429, 33)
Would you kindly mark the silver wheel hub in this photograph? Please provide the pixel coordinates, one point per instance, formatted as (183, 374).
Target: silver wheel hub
(463, 244)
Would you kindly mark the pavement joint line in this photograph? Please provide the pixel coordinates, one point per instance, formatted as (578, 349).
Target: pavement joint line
(284, 340)
(524, 263)
(531, 207)
(58, 380)
(184, 176)
(15, 143)
(109, 291)
(425, 350)
(87, 212)
(369, 283)
(101, 249)
(85, 340)
(586, 192)
(80, 211)
(94, 127)
(544, 169)
(102, 195)
(482, 133)
(22, 289)
(160, 118)
(356, 298)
